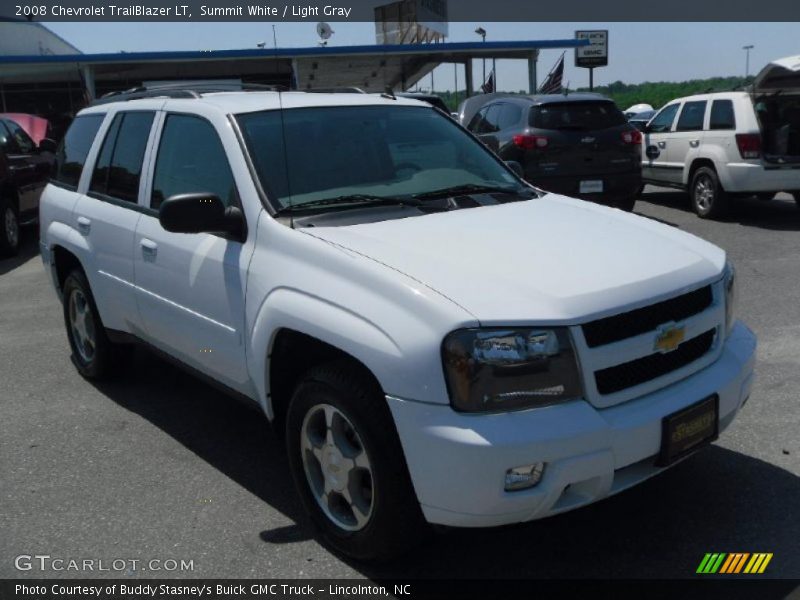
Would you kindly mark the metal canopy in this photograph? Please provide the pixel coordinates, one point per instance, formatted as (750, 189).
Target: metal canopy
(370, 67)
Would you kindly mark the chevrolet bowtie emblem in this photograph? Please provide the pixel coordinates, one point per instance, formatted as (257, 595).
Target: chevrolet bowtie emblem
(668, 337)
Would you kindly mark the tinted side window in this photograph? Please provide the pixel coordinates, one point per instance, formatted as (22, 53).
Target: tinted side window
(476, 124)
(663, 121)
(24, 143)
(191, 159)
(6, 141)
(722, 115)
(510, 114)
(72, 152)
(492, 118)
(119, 165)
(692, 116)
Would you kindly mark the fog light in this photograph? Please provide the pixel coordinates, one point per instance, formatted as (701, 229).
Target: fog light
(521, 478)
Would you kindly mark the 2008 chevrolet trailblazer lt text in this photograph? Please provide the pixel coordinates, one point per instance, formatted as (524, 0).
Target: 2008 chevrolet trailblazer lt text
(440, 342)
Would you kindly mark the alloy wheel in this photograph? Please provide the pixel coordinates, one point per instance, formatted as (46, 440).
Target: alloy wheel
(82, 326)
(337, 467)
(11, 227)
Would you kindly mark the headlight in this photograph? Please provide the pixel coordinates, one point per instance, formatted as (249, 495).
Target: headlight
(505, 369)
(731, 297)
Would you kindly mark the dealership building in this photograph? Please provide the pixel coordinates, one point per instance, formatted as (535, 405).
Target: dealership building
(41, 73)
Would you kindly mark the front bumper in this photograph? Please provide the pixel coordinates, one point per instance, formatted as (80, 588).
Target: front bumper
(458, 461)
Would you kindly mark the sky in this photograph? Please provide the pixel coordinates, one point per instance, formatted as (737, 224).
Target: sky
(637, 51)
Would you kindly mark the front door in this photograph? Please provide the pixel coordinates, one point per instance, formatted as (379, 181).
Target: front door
(190, 287)
(656, 164)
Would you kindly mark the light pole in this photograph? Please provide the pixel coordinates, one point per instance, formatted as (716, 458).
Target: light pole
(747, 59)
(482, 32)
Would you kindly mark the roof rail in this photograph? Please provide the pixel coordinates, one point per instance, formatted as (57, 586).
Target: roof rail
(335, 90)
(181, 90)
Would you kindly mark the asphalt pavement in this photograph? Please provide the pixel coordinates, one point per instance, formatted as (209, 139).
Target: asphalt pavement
(156, 465)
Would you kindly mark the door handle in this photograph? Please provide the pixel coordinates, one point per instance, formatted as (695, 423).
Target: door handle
(662, 144)
(694, 143)
(84, 225)
(149, 247)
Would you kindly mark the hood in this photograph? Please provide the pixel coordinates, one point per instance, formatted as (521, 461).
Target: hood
(780, 75)
(552, 260)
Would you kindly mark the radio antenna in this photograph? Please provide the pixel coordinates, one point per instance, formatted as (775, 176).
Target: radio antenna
(283, 126)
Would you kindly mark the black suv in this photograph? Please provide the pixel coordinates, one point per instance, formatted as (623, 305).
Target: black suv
(579, 145)
(24, 171)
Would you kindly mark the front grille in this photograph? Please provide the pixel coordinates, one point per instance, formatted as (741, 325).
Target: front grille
(626, 325)
(635, 372)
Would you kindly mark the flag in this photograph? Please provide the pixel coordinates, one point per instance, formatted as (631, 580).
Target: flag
(552, 85)
(488, 87)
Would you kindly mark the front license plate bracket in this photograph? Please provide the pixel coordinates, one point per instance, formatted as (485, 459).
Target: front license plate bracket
(688, 429)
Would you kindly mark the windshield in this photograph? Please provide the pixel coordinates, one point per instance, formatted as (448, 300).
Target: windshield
(577, 115)
(326, 153)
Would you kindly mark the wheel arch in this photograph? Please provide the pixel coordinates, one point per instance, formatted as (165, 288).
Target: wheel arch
(295, 331)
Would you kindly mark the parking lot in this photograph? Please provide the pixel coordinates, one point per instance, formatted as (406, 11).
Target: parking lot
(157, 465)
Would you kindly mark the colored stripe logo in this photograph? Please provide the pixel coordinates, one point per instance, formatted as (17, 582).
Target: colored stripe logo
(734, 563)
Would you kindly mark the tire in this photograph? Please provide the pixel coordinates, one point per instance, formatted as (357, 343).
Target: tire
(796, 196)
(625, 204)
(9, 228)
(709, 200)
(92, 352)
(348, 465)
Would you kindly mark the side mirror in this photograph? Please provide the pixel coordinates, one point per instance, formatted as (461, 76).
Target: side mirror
(198, 213)
(47, 145)
(515, 166)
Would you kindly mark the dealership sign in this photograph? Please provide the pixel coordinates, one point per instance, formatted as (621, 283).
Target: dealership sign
(596, 53)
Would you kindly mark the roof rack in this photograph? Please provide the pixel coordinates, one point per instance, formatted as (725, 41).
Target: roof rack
(179, 90)
(335, 90)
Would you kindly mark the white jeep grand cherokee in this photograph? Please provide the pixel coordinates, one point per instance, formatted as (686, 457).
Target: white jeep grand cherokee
(440, 342)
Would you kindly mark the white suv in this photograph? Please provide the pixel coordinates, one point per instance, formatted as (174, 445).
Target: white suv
(725, 144)
(439, 341)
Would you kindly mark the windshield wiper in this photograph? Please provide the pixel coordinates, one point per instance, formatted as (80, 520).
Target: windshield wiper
(469, 189)
(350, 200)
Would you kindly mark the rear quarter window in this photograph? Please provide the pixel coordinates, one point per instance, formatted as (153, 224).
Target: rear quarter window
(74, 148)
(722, 116)
(577, 115)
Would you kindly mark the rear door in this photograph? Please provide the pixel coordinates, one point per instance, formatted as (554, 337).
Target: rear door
(656, 167)
(109, 211)
(688, 135)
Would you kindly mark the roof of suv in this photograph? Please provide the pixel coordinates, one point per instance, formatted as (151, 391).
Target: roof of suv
(251, 101)
(539, 100)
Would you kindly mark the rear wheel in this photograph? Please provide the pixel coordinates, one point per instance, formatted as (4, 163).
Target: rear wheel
(91, 349)
(9, 228)
(709, 200)
(348, 465)
(796, 198)
(625, 204)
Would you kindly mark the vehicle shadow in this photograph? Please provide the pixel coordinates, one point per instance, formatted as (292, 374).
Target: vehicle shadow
(233, 437)
(28, 248)
(779, 214)
(716, 501)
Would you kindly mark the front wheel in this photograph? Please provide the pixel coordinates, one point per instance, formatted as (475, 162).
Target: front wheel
(348, 465)
(9, 228)
(709, 200)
